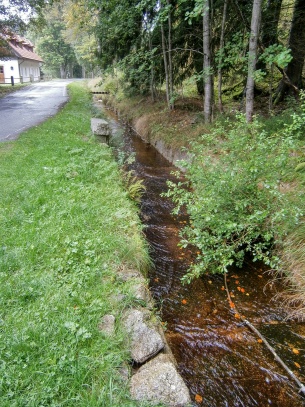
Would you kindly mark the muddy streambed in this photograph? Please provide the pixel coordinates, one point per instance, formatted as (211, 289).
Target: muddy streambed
(221, 361)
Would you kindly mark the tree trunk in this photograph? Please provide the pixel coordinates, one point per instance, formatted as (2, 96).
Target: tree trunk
(255, 24)
(208, 92)
(270, 21)
(165, 65)
(292, 78)
(170, 61)
(63, 71)
(221, 46)
(152, 72)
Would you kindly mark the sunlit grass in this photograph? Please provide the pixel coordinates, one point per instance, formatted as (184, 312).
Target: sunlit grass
(66, 225)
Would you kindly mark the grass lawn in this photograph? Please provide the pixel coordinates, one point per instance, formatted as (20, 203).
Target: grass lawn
(66, 226)
(8, 88)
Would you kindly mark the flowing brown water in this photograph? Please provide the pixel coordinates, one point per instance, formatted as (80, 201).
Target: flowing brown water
(221, 361)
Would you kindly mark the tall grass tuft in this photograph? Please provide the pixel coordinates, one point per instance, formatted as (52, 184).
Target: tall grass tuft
(293, 259)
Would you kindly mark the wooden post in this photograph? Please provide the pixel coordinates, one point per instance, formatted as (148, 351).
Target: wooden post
(12, 80)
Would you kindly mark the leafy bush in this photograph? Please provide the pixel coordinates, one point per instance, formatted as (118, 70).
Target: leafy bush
(297, 127)
(238, 195)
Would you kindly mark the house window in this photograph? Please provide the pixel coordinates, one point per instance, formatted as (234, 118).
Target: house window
(1, 69)
(12, 68)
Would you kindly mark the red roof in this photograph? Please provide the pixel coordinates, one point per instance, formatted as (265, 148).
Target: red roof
(22, 47)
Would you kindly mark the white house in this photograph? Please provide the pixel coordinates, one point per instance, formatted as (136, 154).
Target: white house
(19, 62)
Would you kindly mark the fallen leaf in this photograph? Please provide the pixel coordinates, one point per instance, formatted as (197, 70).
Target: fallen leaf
(239, 289)
(237, 316)
(297, 365)
(247, 294)
(242, 290)
(234, 276)
(184, 301)
(232, 305)
(210, 282)
(222, 288)
(260, 341)
(236, 282)
(260, 276)
(295, 351)
(198, 398)
(156, 280)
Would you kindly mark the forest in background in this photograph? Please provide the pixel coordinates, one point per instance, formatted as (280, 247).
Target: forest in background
(221, 45)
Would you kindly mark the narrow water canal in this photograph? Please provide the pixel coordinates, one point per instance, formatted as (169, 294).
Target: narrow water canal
(221, 361)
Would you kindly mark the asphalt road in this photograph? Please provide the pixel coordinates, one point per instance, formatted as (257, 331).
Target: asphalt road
(30, 106)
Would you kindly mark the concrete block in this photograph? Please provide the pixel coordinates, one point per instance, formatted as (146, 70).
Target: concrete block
(101, 128)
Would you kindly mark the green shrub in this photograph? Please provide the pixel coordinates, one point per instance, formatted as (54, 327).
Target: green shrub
(238, 194)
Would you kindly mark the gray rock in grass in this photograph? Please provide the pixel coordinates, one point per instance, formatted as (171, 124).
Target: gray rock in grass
(107, 325)
(146, 342)
(159, 382)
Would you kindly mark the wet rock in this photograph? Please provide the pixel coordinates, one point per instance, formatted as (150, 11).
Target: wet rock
(146, 342)
(107, 325)
(159, 382)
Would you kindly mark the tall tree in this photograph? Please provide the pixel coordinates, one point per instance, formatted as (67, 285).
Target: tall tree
(15, 14)
(253, 41)
(166, 42)
(52, 45)
(292, 75)
(221, 51)
(207, 67)
(270, 22)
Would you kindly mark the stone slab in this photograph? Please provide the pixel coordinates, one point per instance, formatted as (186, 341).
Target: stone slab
(158, 381)
(146, 342)
(100, 127)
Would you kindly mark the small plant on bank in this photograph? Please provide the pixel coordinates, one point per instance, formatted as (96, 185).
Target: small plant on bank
(239, 196)
(134, 185)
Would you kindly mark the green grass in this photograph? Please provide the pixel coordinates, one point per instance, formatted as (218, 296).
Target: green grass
(66, 225)
(8, 88)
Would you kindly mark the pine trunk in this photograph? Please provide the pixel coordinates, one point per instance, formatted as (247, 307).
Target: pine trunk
(170, 62)
(292, 78)
(255, 25)
(222, 43)
(164, 51)
(208, 92)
